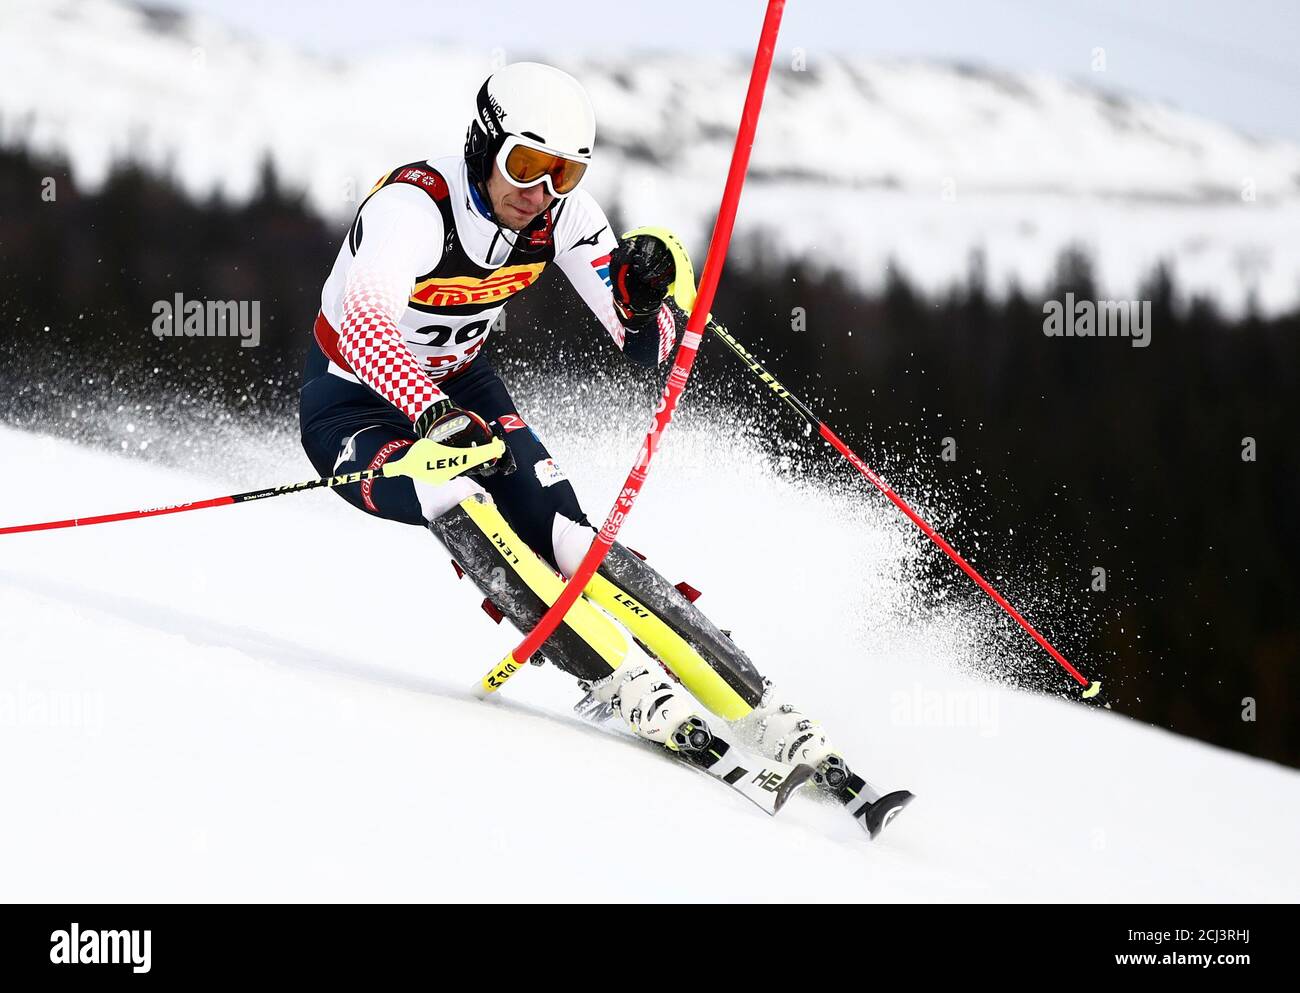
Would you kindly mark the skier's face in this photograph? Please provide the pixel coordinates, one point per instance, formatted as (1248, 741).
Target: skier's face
(516, 208)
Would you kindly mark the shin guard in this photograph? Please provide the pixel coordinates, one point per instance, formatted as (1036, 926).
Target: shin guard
(708, 663)
(521, 586)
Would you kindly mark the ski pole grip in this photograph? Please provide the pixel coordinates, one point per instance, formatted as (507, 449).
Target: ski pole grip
(430, 462)
(682, 288)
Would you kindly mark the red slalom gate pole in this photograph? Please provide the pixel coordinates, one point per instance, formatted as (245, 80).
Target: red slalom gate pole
(681, 371)
(806, 412)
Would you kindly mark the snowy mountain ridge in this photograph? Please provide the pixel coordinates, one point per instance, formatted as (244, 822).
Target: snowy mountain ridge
(857, 162)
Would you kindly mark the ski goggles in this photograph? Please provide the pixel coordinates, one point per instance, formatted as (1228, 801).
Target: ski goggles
(524, 165)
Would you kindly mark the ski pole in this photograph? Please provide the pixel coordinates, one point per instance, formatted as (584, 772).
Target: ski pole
(682, 262)
(834, 440)
(682, 363)
(426, 460)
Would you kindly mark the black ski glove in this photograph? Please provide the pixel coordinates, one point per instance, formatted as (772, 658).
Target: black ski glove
(640, 270)
(448, 424)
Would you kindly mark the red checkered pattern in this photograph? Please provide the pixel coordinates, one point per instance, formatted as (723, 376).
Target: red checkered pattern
(667, 332)
(665, 320)
(609, 317)
(373, 346)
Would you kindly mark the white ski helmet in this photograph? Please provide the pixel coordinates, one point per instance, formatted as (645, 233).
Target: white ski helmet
(536, 121)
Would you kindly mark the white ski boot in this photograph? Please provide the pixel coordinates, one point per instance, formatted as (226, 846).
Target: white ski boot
(651, 704)
(789, 735)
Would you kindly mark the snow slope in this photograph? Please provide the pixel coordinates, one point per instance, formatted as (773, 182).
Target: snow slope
(919, 163)
(269, 702)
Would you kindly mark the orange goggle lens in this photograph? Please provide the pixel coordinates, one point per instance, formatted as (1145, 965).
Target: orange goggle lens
(527, 166)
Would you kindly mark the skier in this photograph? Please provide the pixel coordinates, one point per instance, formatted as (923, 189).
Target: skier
(434, 253)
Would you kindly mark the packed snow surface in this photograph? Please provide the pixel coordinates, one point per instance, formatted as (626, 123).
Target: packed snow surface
(271, 702)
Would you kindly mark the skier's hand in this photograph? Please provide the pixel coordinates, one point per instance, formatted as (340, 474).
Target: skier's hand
(448, 424)
(640, 270)
(505, 465)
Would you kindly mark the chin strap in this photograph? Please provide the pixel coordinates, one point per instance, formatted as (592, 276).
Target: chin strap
(482, 203)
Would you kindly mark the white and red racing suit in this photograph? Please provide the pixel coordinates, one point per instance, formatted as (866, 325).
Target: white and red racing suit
(424, 272)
